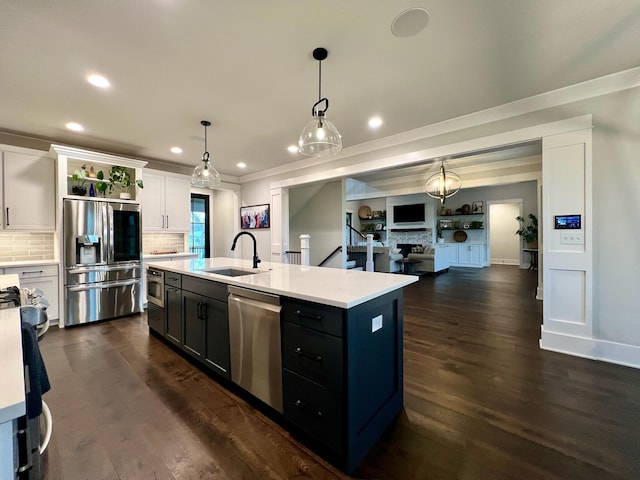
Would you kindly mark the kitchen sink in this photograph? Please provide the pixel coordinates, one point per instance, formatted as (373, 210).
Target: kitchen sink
(232, 272)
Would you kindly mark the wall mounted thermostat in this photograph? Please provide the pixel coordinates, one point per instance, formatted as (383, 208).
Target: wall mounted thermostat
(568, 222)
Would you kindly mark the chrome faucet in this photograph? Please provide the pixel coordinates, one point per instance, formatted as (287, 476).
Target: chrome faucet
(256, 260)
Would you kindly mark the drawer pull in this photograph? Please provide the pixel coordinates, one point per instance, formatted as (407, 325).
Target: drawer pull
(316, 358)
(306, 409)
(202, 310)
(35, 272)
(300, 313)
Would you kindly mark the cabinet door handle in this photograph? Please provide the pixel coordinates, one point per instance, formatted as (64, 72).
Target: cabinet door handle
(307, 409)
(300, 313)
(167, 221)
(7, 215)
(162, 216)
(202, 310)
(316, 358)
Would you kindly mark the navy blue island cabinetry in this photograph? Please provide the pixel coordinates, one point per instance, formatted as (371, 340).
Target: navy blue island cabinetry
(329, 371)
(342, 373)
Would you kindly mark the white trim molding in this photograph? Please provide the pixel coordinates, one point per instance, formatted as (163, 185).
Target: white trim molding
(595, 349)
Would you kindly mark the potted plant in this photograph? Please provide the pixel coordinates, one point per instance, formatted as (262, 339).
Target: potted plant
(79, 177)
(101, 186)
(528, 232)
(121, 177)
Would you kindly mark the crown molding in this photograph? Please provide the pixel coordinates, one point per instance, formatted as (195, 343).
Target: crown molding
(604, 85)
(81, 154)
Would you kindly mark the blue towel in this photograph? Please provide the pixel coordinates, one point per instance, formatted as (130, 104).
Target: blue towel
(38, 380)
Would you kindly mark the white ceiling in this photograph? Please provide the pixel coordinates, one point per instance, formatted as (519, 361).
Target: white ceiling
(246, 66)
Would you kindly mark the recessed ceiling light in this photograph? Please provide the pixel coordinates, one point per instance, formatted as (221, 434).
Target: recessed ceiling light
(241, 165)
(293, 148)
(176, 150)
(98, 81)
(76, 127)
(375, 122)
(410, 22)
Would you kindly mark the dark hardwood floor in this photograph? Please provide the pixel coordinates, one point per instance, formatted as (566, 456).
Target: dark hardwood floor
(482, 401)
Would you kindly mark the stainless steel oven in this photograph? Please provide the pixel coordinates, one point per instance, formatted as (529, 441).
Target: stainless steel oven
(155, 287)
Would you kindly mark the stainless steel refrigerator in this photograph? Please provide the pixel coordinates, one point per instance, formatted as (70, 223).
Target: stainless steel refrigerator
(102, 255)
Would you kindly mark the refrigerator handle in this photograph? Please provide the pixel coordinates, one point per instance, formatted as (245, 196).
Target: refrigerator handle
(109, 234)
(98, 286)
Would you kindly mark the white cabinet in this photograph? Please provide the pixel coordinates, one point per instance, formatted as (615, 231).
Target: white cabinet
(467, 254)
(166, 202)
(42, 277)
(453, 254)
(28, 192)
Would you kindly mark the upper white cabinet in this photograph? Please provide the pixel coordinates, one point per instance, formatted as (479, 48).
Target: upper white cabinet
(166, 202)
(28, 191)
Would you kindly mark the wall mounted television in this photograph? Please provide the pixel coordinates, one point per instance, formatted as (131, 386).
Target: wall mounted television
(408, 213)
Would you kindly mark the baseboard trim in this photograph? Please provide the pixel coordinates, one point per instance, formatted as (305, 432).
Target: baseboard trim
(594, 349)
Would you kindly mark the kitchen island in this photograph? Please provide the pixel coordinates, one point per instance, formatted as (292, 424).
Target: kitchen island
(330, 364)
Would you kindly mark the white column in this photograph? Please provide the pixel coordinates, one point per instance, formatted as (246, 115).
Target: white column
(304, 249)
(279, 224)
(369, 264)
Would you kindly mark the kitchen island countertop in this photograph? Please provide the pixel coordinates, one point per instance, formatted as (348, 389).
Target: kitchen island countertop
(328, 286)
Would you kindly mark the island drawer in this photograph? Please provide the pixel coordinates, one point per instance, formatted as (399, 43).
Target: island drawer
(206, 288)
(173, 279)
(314, 409)
(313, 315)
(312, 354)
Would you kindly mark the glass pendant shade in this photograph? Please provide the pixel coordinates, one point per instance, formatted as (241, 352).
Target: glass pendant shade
(205, 175)
(320, 138)
(443, 184)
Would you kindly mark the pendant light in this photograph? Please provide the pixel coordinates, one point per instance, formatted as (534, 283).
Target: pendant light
(443, 184)
(204, 175)
(320, 137)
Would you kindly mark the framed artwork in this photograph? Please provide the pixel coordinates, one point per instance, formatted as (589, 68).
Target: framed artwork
(446, 224)
(476, 207)
(254, 216)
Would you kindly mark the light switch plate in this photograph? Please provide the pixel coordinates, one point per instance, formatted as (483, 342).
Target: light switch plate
(572, 238)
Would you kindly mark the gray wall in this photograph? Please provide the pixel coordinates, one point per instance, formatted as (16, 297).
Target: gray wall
(322, 218)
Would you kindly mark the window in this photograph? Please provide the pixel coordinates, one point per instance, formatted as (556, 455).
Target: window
(199, 234)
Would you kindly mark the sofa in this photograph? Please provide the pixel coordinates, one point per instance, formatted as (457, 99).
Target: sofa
(434, 259)
(385, 259)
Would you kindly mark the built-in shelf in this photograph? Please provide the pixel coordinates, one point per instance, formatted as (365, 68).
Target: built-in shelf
(89, 179)
(462, 228)
(408, 229)
(461, 214)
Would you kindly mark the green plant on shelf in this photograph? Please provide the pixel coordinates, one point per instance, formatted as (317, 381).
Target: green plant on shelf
(79, 178)
(120, 177)
(101, 186)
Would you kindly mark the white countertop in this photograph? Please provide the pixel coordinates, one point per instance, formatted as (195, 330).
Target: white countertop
(328, 286)
(151, 256)
(12, 396)
(28, 263)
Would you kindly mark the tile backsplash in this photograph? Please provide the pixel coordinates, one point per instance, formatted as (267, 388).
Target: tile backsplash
(18, 246)
(417, 237)
(163, 242)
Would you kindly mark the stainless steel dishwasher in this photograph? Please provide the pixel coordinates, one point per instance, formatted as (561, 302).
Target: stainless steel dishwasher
(254, 342)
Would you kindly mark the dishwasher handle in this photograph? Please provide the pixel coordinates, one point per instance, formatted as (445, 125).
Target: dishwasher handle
(245, 293)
